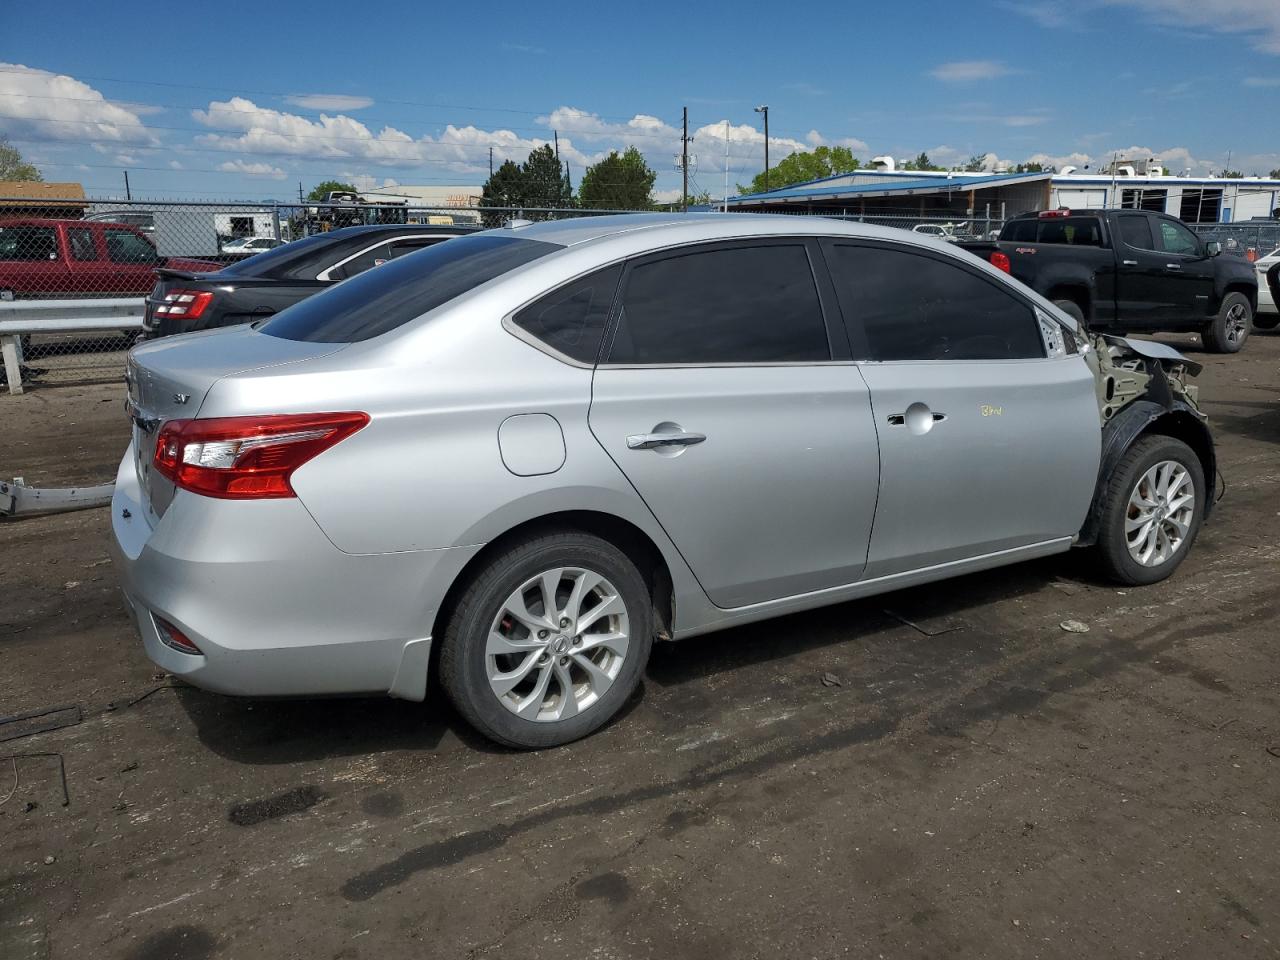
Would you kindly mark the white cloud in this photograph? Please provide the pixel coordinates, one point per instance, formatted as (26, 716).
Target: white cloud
(1259, 20)
(966, 71)
(668, 196)
(252, 169)
(328, 101)
(40, 105)
(1261, 81)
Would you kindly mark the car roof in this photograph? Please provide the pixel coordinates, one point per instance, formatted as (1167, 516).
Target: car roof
(641, 231)
(415, 228)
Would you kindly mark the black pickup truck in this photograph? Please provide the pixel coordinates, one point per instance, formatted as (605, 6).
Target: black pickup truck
(1120, 271)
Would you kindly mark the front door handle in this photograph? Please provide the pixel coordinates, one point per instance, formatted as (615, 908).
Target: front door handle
(650, 441)
(1173, 266)
(1129, 263)
(900, 419)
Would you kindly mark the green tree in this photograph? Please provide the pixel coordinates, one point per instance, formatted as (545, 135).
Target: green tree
(618, 182)
(976, 163)
(542, 180)
(505, 188)
(1275, 174)
(326, 187)
(13, 167)
(1029, 167)
(921, 162)
(804, 166)
(1230, 174)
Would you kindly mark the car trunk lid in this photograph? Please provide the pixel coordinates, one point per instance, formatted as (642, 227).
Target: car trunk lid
(169, 379)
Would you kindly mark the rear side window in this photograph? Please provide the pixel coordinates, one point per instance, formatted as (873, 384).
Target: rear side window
(380, 300)
(1073, 231)
(1020, 231)
(913, 307)
(80, 239)
(1136, 232)
(756, 304)
(571, 320)
(125, 246)
(28, 243)
(373, 257)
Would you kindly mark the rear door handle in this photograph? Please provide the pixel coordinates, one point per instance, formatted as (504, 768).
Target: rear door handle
(1129, 263)
(900, 419)
(648, 441)
(1173, 266)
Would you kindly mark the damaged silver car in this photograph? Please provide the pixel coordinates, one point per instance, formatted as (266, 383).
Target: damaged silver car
(516, 459)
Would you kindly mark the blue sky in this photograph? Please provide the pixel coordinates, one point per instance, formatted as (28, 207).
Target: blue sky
(245, 100)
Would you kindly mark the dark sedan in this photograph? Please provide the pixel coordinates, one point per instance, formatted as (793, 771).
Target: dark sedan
(257, 287)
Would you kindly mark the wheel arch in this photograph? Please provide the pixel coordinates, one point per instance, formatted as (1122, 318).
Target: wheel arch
(633, 541)
(1077, 291)
(1146, 418)
(1250, 292)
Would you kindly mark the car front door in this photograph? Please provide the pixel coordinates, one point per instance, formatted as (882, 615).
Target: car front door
(1145, 297)
(133, 259)
(1188, 270)
(726, 397)
(987, 442)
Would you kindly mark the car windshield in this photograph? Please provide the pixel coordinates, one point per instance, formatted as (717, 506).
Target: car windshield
(379, 300)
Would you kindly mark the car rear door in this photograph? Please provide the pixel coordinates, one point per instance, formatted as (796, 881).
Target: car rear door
(987, 443)
(727, 398)
(88, 269)
(133, 260)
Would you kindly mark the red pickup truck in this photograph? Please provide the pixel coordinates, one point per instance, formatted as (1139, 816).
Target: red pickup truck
(77, 258)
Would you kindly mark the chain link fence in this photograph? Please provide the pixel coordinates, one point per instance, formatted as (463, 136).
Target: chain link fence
(1251, 239)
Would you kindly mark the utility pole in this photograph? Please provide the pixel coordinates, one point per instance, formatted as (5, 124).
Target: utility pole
(127, 194)
(684, 163)
(764, 108)
(725, 209)
(556, 134)
(491, 163)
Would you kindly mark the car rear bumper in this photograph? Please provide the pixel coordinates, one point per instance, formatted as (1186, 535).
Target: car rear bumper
(274, 607)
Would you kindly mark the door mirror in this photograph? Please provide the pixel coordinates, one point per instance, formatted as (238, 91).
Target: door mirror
(1212, 248)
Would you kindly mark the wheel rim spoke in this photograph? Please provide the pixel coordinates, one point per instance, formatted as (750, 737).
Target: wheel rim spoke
(545, 673)
(1160, 513)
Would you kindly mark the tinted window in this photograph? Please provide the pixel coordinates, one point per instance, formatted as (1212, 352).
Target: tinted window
(736, 305)
(125, 246)
(1175, 238)
(1074, 231)
(284, 258)
(1020, 231)
(80, 239)
(370, 258)
(914, 307)
(572, 319)
(28, 243)
(380, 300)
(1136, 232)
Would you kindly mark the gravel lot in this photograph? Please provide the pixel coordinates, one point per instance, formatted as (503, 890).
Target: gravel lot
(969, 779)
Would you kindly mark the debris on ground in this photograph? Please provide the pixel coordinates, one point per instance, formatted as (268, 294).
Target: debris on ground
(830, 680)
(1074, 626)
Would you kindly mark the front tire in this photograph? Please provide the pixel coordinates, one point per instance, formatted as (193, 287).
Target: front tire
(1154, 506)
(1230, 328)
(548, 641)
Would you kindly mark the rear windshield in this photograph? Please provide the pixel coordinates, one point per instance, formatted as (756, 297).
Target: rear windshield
(394, 293)
(1074, 231)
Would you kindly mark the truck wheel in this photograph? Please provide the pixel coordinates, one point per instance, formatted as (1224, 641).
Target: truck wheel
(1071, 309)
(1155, 502)
(548, 640)
(1230, 328)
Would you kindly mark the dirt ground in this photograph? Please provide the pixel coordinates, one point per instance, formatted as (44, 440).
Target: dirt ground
(977, 782)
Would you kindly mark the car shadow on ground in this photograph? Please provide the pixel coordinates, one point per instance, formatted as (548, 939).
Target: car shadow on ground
(1263, 426)
(931, 610)
(283, 731)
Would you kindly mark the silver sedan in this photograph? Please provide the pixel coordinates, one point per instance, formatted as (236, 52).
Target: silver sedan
(519, 457)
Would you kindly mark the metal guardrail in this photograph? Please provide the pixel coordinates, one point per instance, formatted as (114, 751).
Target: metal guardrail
(23, 318)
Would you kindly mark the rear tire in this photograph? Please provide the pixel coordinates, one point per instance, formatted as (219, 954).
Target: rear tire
(1147, 525)
(529, 676)
(1230, 328)
(1071, 309)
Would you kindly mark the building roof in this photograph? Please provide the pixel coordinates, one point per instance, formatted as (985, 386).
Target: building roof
(36, 193)
(896, 186)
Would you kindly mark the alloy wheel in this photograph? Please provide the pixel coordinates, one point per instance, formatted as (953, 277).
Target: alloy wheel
(1237, 323)
(1159, 514)
(557, 644)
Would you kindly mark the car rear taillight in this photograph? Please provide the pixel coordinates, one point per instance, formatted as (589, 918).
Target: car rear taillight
(1049, 214)
(1001, 261)
(174, 638)
(247, 458)
(184, 304)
